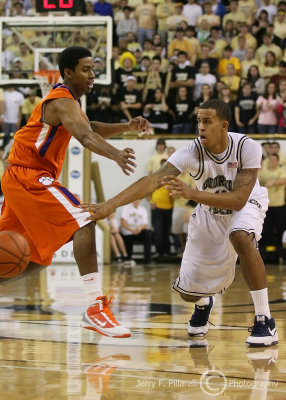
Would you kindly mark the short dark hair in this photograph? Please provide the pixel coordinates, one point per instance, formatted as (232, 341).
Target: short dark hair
(70, 56)
(222, 109)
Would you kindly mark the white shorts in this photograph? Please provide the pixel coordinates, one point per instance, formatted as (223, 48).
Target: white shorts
(177, 220)
(208, 264)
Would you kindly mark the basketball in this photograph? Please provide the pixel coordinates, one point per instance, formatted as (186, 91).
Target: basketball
(14, 254)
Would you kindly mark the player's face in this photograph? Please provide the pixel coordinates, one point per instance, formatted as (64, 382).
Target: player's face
(83, 75)
(212, 131)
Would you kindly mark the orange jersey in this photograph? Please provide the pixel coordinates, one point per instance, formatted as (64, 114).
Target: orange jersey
(41, 146)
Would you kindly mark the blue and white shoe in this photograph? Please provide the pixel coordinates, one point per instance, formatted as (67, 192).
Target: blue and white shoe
(199, 323)
(263, 333)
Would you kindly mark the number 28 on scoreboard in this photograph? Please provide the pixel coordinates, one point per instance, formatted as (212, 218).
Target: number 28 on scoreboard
(56, 5)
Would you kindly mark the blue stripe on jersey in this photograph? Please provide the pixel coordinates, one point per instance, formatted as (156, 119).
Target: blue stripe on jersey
(69, 195)
(66, 87)
(47, 143)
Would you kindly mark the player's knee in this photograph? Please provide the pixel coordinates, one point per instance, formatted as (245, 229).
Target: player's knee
(241, 240)
(189, 298)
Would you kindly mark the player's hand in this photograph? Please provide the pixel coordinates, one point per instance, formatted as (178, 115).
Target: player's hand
(139, 124)
(99, 211)
(124, 160)
(176, 187)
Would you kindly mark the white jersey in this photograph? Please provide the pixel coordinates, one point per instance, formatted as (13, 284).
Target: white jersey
(217, 172)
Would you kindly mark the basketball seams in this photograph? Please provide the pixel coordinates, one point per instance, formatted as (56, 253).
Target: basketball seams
(15, 250)
(16, 266)
(12, 237)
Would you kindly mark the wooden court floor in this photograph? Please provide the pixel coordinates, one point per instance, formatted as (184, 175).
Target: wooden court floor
(46, 355)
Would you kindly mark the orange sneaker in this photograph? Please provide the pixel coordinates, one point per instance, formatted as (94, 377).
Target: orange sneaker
(99, 318)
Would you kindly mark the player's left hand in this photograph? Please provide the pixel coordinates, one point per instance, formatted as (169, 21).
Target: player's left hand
(176, 187)
(99, 211)
(139, 124)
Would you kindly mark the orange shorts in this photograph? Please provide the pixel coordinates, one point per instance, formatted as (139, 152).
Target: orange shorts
(40, 209)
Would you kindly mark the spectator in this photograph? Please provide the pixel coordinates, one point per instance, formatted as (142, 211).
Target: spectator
(182, 75)
(162, 207)
(259, 27)
(174, 21)
(275, 39)
(270, 8)
(249, 38)
(231, 80)
(89, 9)
(209, 16)
(116, 241)
(275, 149)
(229, 32)
(146, 20)
(206, 95)
(154, 161)
(181, 44)
(181, 109)
(274, 178)
(279, 25)
(203, 77)
(240, 52)
(13, 102)
(248, 62)
(127, 63)
(192, 11)
(99, 105)
(27, 59)
(7, 57)
(205, 57)
(245, 111)
(248, 9)
(118, 11)
(228, 59)
(267, 105)
(267, 46)
(203, 31)
(148, 49)
(29, 104)
(134, 223)
(126, 24)
(103, 8)
(191, 36)
(220, 42)
(99, 68)
(157, 112)
(257, 83)
(234, 15)
(163, 11)
(170, 150)
(132, 44)
(130, 100)
(226, 96)
(218, 8)
(270, 67)
(281, 75)
(281, 110)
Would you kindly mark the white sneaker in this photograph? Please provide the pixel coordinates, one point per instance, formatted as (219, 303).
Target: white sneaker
(198, 324)
(263, 333)
(99, 318)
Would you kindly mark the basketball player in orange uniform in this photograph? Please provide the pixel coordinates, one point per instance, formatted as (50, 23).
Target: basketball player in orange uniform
(39, 207)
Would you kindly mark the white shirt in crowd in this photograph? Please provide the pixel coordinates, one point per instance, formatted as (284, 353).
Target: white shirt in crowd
(135, 217)
(12, 103)
(192, 13)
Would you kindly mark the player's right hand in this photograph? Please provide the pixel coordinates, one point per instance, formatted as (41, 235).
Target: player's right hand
(124, 160)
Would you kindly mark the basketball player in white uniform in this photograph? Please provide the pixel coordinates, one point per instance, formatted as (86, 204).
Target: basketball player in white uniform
(226, 223)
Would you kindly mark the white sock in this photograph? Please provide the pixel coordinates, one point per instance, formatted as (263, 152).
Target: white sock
(260, 300)
(204, 301)
(92, 286)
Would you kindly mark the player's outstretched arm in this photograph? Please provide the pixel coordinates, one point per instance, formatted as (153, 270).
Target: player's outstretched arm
(233, 200)
(138, 124)
(69, 113)
(138, 190)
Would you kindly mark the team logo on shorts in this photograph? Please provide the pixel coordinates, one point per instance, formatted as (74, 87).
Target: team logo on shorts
(46, 180)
